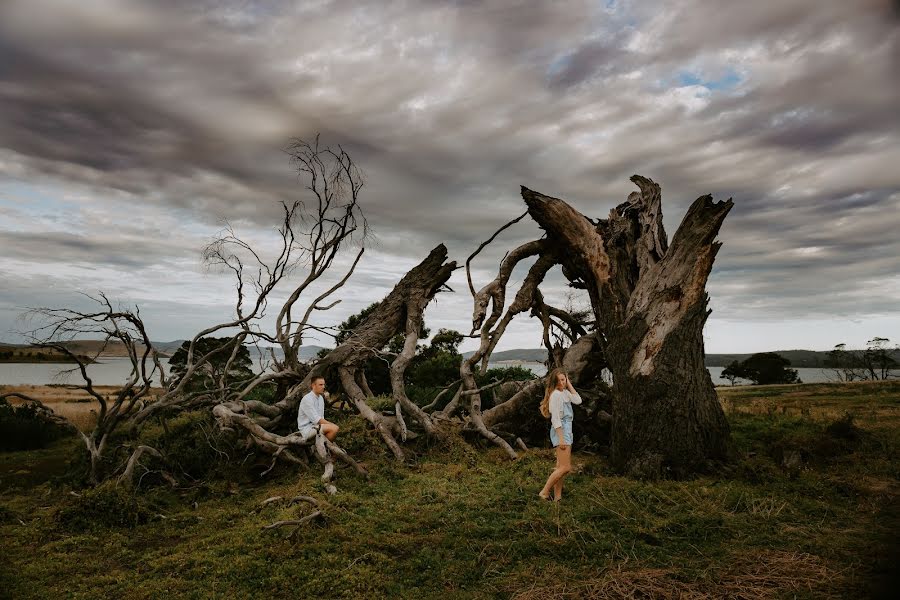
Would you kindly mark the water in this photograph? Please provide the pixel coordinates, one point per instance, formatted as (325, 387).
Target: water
(806, 375)
(108, 371)
(114, 371)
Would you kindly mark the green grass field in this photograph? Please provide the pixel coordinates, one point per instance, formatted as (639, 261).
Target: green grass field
(464, 522)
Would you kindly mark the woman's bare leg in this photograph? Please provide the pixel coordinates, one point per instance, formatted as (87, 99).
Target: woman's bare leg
(565, 463)
(563, 467)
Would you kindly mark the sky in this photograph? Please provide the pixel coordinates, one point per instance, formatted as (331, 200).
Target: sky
(130, 131)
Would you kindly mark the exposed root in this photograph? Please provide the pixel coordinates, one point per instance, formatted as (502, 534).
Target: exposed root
(127, 477)
(297, 524)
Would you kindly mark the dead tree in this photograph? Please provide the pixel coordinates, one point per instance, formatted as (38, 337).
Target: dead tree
(310, 237)
(649, 305)
(113, 324)
(401, 311)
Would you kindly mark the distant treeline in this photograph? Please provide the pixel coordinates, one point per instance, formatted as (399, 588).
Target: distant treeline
(804, 359)
(31, 355)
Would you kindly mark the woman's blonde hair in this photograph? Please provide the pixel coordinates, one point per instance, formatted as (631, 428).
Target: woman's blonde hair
(551, 385)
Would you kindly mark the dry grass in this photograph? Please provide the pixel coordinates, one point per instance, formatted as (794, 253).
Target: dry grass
(73, 404)
(874, 403)
(750, 576)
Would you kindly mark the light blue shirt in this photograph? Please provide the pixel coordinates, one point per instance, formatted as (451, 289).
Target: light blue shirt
(311, 411)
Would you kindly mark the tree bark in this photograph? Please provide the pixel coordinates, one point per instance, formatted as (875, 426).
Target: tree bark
(650, 304)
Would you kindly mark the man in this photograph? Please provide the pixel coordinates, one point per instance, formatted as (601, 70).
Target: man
(312, 412)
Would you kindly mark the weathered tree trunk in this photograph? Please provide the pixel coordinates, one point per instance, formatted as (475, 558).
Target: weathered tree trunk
(401, 311)
(650, 304)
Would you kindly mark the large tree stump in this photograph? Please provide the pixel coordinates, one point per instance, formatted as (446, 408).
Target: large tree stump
(650, 304)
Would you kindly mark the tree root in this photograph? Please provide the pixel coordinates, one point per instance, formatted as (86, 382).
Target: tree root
(296, 523)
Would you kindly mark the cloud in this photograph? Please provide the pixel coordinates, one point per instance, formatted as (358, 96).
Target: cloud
(131, 130)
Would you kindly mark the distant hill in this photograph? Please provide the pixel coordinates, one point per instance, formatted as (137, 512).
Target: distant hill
(523, 354)
(116, 349)
(113, 349)
(798, 358)
(306, 352)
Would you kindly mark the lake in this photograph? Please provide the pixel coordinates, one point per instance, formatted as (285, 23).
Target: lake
(114, 371)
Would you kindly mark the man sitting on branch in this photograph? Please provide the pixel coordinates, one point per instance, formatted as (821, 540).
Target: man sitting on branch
(311, 414)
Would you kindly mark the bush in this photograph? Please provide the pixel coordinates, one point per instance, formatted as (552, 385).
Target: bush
(515, 373)
(107, 505)
(193, 445)
(844, 429)
(265, 393)
(26, 428)
(818, 445)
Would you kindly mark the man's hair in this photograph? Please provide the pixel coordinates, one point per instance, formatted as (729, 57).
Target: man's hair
(315, 379)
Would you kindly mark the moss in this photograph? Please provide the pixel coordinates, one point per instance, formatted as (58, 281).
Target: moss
(108, 505)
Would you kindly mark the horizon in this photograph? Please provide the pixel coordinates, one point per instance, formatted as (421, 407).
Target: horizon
(462, 351)
(133, 131)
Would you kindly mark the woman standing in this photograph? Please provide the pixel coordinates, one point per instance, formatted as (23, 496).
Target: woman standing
(557, 406)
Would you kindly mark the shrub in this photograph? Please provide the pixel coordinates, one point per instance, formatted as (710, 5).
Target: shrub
(193, 445)
(26, 428)
(107, 505)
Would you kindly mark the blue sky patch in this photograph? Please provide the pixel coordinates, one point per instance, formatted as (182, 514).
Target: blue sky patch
(728, 81)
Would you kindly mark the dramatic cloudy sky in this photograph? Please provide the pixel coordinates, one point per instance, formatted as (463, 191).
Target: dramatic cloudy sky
(129, 130)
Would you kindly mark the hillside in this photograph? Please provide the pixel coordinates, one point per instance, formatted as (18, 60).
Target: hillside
(28, 354)
(798, 358)
(523, 354)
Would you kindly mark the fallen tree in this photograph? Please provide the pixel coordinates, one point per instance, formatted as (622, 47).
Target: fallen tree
(309, 242)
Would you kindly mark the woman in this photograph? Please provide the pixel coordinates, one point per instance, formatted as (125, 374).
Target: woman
(557, 406)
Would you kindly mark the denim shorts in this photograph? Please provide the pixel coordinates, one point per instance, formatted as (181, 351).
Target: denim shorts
(567, 433)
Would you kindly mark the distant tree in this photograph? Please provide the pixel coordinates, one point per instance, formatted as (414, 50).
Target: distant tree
(847, 365)
(876, 361)
(768, 367)
(238, 368)
(877, 358)
(513, 373)
(734, 371)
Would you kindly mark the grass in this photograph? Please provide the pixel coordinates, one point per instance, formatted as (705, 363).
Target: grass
(462, 522)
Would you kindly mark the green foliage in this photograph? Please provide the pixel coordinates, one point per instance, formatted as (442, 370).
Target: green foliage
(377, 370)
(192, 446)
(107, 505)
(514, 373)
(437, 364)
(208, 375)
(24, 428)
(264, 392)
